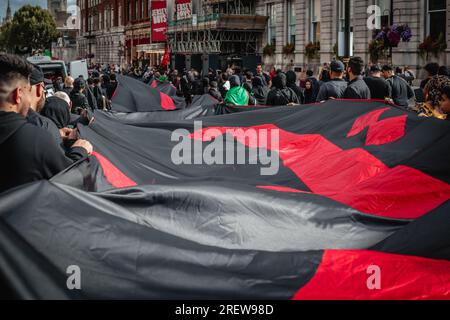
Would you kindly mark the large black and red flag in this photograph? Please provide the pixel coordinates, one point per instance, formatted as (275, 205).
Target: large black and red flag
(132, 95)
(359, 188)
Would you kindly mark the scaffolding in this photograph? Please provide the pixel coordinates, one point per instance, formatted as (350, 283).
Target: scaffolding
(218, 27)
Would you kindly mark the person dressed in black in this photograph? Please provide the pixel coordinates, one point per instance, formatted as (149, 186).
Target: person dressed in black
(79, 100)
(357, 88)
(309, 92)
(291, 82)
(90, 94)
(28, 153)
(37, 102)
(280, 94)
(214, 91)
(315, 83)
(401, 92)
(335, 87)
(260, 90)
(378, 86)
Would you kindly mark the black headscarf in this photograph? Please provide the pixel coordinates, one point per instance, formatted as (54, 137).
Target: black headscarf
(279, 81)
(260, 90)
(291, 77)
(57, 110)
(234, 81)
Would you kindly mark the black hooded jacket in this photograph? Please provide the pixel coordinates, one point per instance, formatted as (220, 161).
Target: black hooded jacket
(291, 78)
(281, 95)
(29, 153)
(260, 90)
(42, 122)
(57, 110)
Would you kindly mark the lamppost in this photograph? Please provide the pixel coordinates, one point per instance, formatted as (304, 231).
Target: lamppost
(347, 33)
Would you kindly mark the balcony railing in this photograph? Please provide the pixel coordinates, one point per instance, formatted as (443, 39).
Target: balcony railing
(221, 21)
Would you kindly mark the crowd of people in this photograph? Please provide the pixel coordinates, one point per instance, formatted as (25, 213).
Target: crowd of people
(38, 135)
(241, 87)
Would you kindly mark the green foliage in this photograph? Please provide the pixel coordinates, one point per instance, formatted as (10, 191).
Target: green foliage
(312, 50)
(432, 45)
(269, 50)
(289, 48)
(377, 50)
(32, 28)
(5, 36)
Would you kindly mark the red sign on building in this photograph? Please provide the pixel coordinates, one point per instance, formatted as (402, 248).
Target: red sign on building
(159, 21)
(183, 9)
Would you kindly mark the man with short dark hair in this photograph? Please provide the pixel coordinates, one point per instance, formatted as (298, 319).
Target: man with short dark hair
(28, 153)
(357, 88)
(401, 92)
(262, 74)
(378, 86)
(335, 87)
(37, 102)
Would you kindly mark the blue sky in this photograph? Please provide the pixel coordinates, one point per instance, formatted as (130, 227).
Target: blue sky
(16, 4)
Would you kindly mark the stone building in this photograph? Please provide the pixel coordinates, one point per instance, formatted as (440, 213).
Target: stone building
(300, 22)
(102, 31)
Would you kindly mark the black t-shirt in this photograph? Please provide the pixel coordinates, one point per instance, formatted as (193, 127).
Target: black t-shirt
(379, 88)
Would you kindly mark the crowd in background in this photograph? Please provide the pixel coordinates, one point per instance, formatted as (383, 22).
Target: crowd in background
(242, 87)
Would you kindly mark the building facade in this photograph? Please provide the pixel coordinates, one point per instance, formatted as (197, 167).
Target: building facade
(301, 22)
(214, 34)
(102, 31)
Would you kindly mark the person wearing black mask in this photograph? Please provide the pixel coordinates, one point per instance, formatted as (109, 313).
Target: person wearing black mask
(291, 82)
(378, 86)
(28, 153)
(260, 90)
(280, 94)
(357, 88)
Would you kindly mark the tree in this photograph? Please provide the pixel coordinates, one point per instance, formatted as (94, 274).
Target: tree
(5, 36)
(32, 28)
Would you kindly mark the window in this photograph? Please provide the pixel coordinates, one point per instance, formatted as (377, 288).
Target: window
(130, 17)
(271, 24)
(315, 20)
(436, 18)
(143, 14)
(386, 11)
(341, 13)
(119, 14)
(291, 21)
(137, 11)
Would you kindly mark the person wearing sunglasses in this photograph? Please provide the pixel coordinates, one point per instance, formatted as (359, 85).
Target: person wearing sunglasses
(28, 153)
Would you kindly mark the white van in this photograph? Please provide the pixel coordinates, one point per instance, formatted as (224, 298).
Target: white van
(52, 68)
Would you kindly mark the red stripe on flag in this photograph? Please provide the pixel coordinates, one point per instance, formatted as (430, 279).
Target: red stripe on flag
(369, 275)
(113, 174)
(167, 102)
(354, 177)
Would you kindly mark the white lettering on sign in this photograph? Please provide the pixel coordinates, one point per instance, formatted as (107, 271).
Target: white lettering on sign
(159, 15)
(184, 10)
